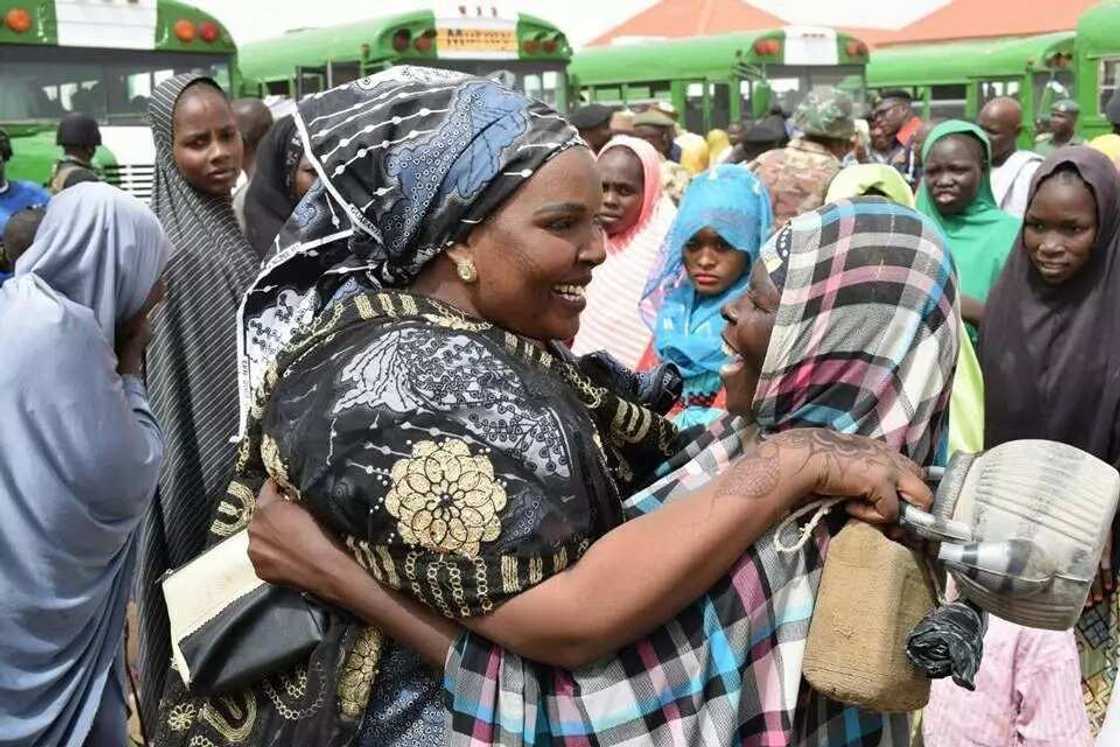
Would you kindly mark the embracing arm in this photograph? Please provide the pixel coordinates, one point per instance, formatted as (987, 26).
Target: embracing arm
(638, 575)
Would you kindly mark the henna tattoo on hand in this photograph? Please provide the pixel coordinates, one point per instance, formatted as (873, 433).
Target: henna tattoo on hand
(835, 454)
(754, 476)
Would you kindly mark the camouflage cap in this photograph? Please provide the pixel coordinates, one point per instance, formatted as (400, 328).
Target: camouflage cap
(1066, 106)
(825, 112)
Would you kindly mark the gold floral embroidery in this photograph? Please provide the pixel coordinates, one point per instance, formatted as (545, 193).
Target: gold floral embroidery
(243, 715)
(444, 499)
(232, 518)
(274, 464)
(181, 717)
(358, 673)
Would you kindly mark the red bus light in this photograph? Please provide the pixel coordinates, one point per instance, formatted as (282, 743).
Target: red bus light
(18, 20)
(185, 31)
(209, 32)
(401, 40)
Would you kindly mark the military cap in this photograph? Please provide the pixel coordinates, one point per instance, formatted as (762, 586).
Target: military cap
(1065, 106)
(591, 116)
(825, 112)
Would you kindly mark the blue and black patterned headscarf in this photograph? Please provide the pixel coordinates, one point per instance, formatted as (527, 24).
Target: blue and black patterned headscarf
(409, 161)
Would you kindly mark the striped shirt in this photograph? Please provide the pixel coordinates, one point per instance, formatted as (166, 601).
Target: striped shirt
(1028, 694)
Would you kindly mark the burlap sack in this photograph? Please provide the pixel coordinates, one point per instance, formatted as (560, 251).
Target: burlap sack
(873, 592)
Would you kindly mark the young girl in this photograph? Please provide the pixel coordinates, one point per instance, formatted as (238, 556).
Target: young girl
(722, 221)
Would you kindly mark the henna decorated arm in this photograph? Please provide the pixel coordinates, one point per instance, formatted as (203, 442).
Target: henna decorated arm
(644, 572)
(636, 577)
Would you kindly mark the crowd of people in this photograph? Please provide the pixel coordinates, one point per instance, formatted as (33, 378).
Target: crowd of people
(520, 399)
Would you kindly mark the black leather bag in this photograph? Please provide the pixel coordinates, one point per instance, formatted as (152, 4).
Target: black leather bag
(229, 629)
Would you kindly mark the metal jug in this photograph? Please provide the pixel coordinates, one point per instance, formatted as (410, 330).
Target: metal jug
(1022, 528)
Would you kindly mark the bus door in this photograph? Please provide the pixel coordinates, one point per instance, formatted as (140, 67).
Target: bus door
(719, 96)
(695, 114)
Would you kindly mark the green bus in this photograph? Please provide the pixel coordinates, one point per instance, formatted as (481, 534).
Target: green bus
(1098, 66)
(102, 58)
(715, 80)
(526, 52)
(953, 80)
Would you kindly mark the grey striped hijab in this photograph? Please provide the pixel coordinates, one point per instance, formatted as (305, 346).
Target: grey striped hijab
(192, 374)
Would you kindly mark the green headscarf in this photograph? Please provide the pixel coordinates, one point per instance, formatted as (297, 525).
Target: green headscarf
(856, 180)
(981, 236)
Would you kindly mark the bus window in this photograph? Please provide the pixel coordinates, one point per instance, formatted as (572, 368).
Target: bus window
(638, 94)
(1050, 87)
(607, 95)
(343, 72)
(788, 92)
(277, 87)
(720, 94)
(746, 91)
(532, 86)
(48, 83)
(947, 102)
(1106, 81)
(991, 89)
(694, 107)
(661, 91)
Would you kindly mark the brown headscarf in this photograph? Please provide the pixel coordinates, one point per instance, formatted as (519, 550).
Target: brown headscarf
(1052, 363)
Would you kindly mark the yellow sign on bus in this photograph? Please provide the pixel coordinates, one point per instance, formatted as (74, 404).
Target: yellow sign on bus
(459, 40)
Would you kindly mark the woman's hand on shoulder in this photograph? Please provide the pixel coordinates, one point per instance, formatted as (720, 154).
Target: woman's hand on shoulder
(835, 464)
(288, 547)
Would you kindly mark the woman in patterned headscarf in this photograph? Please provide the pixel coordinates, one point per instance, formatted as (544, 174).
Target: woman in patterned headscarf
(192, 362)
(405, 384)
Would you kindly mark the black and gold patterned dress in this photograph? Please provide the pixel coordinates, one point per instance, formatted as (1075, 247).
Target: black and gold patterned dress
(460, 463)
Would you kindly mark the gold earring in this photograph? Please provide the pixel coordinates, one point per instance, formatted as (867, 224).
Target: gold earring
(467, 271)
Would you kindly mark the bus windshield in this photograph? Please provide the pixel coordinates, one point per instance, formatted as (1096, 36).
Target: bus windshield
(38, 83)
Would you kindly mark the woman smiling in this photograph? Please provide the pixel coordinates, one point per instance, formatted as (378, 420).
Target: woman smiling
(408, 390)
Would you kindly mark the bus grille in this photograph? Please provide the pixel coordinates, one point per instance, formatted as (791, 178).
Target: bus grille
(134, 178)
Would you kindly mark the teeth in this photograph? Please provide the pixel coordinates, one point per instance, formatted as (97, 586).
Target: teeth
(728, 350)
(570, 290)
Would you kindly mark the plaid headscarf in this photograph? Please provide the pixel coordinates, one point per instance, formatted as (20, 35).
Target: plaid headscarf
(727, 669)
(862, 341)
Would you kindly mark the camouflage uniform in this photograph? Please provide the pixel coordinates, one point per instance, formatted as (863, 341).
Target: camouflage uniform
(674, 179)
(798, 175)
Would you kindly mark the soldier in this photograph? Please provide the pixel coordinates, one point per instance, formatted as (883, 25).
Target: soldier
(798, 175)
(1063, 120)
(79, 136)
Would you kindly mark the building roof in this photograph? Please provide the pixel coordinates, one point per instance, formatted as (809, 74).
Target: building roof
(671, 19)
(959, 19)
(974, 19)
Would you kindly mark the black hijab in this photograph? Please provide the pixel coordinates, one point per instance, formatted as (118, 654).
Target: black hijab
(1052, 369)
(271, 197)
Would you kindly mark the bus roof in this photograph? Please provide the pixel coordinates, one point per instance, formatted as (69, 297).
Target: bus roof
(371, 40)
(166, 26)
(950, 62)
(1099, 28)
(697, 57)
